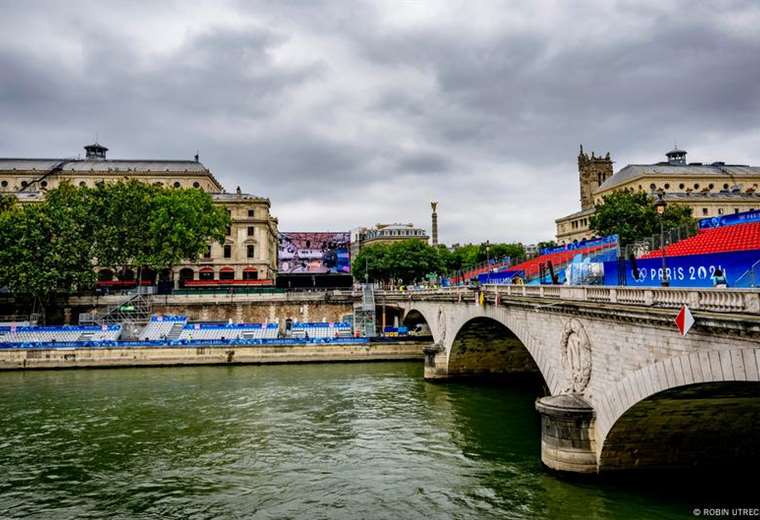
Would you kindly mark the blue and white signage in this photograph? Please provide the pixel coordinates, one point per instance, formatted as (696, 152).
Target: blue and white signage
(730, 220)
(687, 271)
(608, 240)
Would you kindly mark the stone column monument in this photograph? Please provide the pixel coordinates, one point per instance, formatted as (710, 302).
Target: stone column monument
(434, 233)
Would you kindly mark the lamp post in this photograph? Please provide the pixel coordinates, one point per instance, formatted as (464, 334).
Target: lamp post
(659, 206)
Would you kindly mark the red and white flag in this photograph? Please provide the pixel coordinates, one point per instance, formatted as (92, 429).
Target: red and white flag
(684, 320)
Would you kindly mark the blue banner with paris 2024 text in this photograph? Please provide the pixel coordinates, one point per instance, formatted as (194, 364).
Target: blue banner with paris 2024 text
(688, 271)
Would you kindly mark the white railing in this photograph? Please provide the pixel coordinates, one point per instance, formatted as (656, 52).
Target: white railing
(713, 299)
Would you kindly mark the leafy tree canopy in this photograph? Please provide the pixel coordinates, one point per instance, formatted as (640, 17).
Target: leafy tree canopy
(51, 247)
(634, 217)
(411, 260)
(405, 261)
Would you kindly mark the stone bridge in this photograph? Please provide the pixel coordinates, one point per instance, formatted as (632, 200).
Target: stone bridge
(624, 390)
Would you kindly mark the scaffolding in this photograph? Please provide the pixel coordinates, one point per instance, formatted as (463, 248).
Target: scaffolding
(135, 309)
(364, 313)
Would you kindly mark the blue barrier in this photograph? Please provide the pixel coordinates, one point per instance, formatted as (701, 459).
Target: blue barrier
(221, 326)
(611, 239)
(169, 317)
(730, 220)
(68, 345)
(685, 271)
(60, 328)
(504, 277)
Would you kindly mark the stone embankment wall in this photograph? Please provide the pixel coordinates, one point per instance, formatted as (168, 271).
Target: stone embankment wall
(209, 355)
(254, 308)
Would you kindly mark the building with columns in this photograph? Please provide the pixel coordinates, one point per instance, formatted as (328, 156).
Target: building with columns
(249, 251)
(384, 234)
(709, 189)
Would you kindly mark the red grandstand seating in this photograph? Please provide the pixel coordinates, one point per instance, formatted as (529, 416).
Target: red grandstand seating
(532, 267)
(740, 237)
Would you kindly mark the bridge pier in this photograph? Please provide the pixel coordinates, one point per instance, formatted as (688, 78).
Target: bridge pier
(567, 434)
(436, 362)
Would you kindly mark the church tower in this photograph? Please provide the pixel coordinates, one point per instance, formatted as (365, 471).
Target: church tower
(592, 172)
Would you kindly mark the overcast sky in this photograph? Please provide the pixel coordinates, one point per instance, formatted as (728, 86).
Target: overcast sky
(348, 113)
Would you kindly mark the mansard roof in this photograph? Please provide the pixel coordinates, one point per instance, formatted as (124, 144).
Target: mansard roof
(715, 170)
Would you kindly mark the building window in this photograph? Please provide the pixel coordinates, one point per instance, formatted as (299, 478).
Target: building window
(681, 186)
(226, 274)
(177, 184)
(251, 213)
(705, 212)
(250, 231)
(43, 184)
(696, 186)
(206, 274)
(711, 186)
(228, 251)
(250, 251)
(207, 254)
(23, 184)
(229, 230)
(667, 186)
(4, 184)
(196, 184)
(652, 187)
(725, 186)
(720, 211)
(82, 184)
(250, 274)
(736, 210)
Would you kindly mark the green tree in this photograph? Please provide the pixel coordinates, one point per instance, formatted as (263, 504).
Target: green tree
(181, 224)
(45, 248)
(124, 212)
(633, 217)
(51, 247)
(406, 261)
(6, 202)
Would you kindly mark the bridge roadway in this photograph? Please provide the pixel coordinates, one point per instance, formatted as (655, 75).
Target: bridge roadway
(623, 389)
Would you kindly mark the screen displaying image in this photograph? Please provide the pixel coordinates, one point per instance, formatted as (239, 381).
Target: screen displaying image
(315, 252)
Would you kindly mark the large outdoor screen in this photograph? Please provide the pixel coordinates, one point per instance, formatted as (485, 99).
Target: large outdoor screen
(315, 252)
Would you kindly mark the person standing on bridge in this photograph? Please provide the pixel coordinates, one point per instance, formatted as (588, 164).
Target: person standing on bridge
(719, 279)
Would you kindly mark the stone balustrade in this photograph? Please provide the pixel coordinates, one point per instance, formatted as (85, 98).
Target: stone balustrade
(706, 299)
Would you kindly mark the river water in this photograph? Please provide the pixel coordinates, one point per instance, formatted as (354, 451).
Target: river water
(291, 441)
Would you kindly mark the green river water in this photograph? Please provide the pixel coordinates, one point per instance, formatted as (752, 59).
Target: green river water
(291, 441)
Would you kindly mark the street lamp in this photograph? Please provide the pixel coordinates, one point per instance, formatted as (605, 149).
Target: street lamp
(488, 260)
(659, 206)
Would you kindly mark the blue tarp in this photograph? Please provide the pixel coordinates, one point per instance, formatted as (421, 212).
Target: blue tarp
(686, 271)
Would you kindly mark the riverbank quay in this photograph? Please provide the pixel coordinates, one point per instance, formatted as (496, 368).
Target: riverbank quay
(144, 355)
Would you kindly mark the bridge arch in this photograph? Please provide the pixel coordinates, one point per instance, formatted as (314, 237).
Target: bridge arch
(486, 346)
(700, 409)
(520, 330)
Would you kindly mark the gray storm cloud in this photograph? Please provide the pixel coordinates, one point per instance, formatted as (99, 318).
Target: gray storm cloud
(348, 114)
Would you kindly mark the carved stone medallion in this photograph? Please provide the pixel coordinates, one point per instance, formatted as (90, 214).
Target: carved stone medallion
(576, 356)
(442, 324)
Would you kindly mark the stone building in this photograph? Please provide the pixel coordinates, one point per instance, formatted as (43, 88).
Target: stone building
(248, 253)
(384, 234)
(710, 189)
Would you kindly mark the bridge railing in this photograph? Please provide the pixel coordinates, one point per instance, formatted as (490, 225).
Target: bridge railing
(706, 299)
